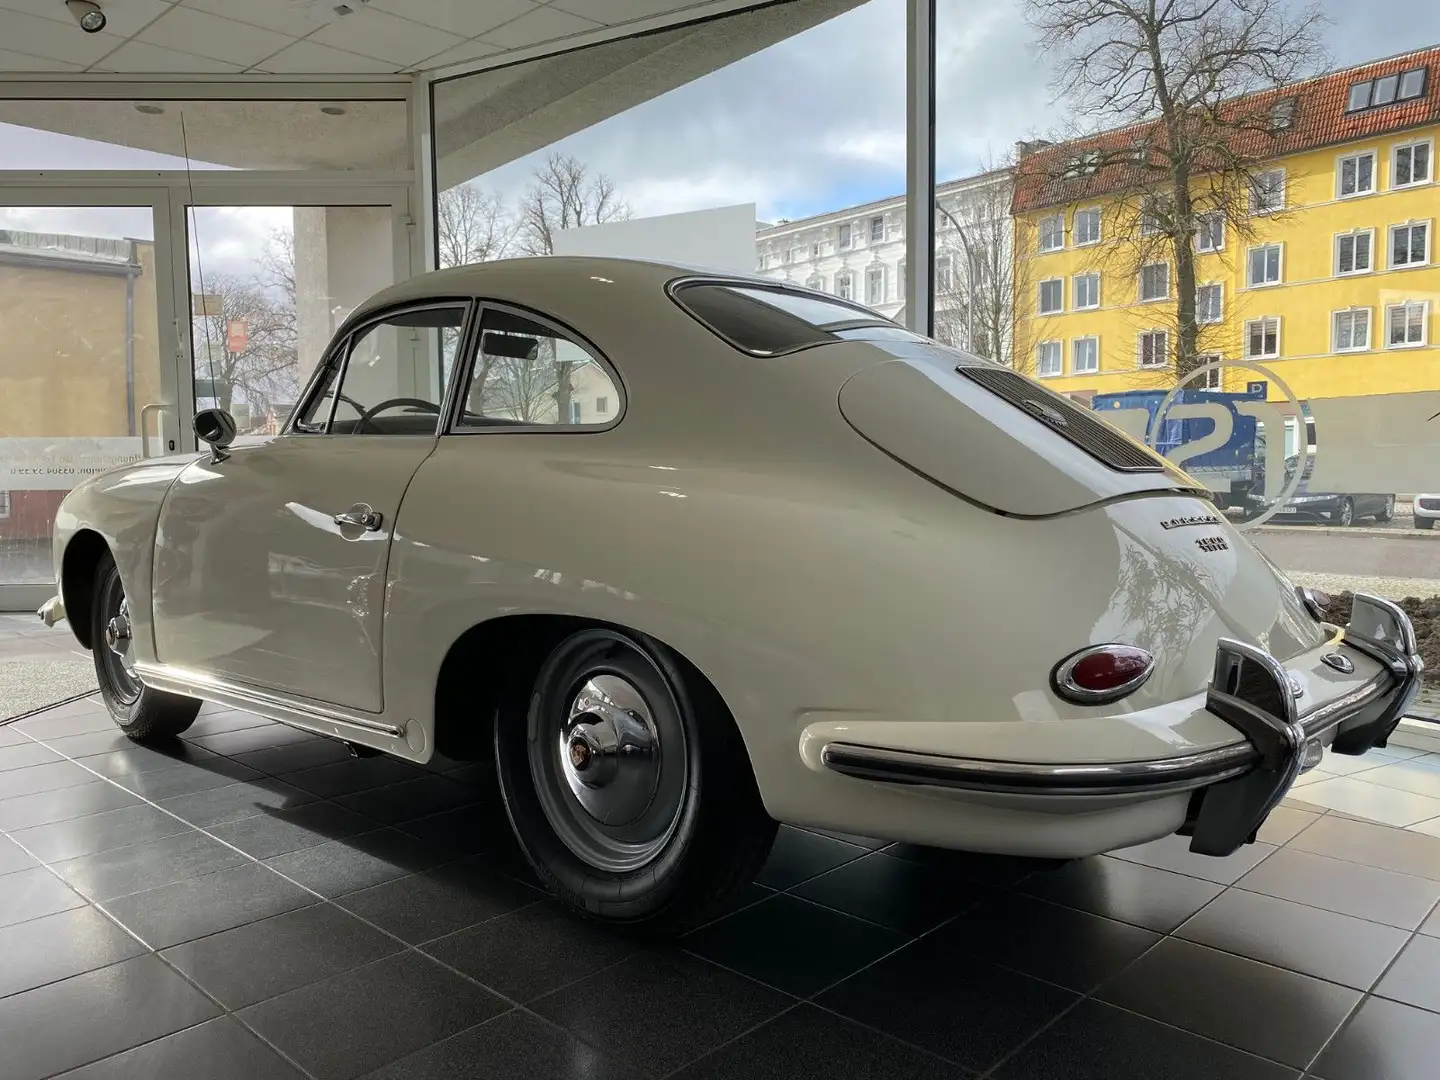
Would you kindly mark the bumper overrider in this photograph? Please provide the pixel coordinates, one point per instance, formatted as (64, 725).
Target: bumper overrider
(1233, 788)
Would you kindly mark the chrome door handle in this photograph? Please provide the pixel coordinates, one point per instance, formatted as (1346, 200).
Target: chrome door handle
(361, 515)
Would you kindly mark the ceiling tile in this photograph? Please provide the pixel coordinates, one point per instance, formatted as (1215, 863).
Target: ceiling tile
(542, 24)
(141, 57)
(204, 34)
(122, 17)
(468, 18)
(615, 12)
(471, 50)
(56, 40)
(307, 57)
(376, 33)
(14, 61)
(293, 17)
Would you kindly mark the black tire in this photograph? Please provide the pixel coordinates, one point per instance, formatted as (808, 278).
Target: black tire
(1424, 523)
(702, 832)
(1346, 517)
(1387, 511)
(140, 711)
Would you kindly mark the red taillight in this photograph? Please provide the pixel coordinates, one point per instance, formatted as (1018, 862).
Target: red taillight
(1102, 673)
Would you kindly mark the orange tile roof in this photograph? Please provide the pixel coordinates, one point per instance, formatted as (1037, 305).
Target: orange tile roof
(1319, 119)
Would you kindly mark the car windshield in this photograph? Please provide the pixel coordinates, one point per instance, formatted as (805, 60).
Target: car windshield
(769, 321)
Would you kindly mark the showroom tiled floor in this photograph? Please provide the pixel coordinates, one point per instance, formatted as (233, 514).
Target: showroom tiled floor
(253, 903)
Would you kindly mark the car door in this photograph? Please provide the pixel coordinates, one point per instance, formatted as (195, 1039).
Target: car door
(271, 563)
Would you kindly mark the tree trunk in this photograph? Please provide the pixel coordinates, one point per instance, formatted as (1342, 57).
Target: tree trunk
(1187, 344)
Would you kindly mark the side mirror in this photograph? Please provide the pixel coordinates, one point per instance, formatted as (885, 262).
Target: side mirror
(215, 428)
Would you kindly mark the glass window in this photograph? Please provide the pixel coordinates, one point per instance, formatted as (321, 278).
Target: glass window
(1052, 232)
(1410, 244)
(1412, 84)
(843, 285)
(1211, 379)
(1052, 296)
(767, 322)
(1384, 92)
(1352, 252)
(1210, 303)
(877, 230)
(1267, 191)
(1048, 360)
(1155, 281)
(1149, 224)
(524, 373)
(1356, 174)
(1210, 232)
(1351, 330)
(1263, 266)
(944, 273)
(1087, 226)
(1358, 97)
(1412, 164)
(1262, 338)
(393, 378)
(1154, 348)
(844, 238)
(875, 285)
(1084, 355)
(1406, 324)
(1087, 291)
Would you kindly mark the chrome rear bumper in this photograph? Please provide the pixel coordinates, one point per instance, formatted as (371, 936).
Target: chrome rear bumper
(1234, 787)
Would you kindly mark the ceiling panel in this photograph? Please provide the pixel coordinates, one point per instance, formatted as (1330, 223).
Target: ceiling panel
(306, 57)
(471, 50)
(376, 33)
(14, 61)
(204, 34)
(542, 24)
(56, 40)
(614, 12)
(468, 18)
(143, 58)
(293, 17)
(122, 17)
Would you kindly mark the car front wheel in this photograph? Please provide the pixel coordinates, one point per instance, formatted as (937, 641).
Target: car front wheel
(629, 787)
(1387, 511)
(141, 712)
(1346, 516)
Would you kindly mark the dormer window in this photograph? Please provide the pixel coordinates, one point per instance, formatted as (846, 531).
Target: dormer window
(1282, 114)
(1386, 90)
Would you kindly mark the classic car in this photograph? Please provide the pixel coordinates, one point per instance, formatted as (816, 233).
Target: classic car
(688, 554)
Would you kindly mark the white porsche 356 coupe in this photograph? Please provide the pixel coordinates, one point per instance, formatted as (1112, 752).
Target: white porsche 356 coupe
(688, 554)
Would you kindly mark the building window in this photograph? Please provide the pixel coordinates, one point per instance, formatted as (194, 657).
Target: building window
(602, 406)
(817, 283)
(1154, 348)
(1052, 233)
(1350, 331)
(1386, 90)
(4, 505)
(1149, 224)
(1282, 114)
(814, 251)
(842, 285)
(844, 237)
(900, 280)
(1210, 232)
(1211, 379)
(877, 230)
(1263, 266)
(575, 412)
(944, 277)
(785, 257)
(1154, 282)
(1355, 174)
(1267, 191)
(1410, 244)
(1405, 324)
(1087, 226)
(1087, 291)
(1210, 304)
(1084, 356)
(1353, 252)
(1262, 338)
(875, 285)
(1047, 359)
(1411, 164)
(1052, 296)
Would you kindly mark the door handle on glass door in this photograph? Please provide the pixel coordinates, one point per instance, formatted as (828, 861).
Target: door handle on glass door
(361, 515)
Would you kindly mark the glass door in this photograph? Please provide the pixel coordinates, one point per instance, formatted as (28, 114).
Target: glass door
(88, 367)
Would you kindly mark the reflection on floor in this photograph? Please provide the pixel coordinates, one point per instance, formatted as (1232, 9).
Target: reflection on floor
(250, 902)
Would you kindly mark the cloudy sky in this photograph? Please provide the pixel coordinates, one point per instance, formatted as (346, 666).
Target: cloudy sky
(812, 124)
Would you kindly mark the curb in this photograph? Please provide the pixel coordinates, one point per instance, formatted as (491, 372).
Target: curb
(1337, 530)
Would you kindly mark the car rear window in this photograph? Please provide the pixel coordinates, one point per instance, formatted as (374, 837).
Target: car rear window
(765, 321)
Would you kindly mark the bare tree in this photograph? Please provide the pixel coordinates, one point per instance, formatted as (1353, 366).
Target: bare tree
(976, 275)
(1190, 76)
(472, 225)
(523, 388)
(263, 371)
(565, 195)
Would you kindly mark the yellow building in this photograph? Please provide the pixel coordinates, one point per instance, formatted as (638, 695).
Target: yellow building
(1328, 279)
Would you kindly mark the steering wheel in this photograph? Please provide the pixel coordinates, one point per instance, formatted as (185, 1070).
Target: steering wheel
(367, 415)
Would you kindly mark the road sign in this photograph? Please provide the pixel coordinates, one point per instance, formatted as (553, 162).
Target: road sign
(207, 305)
(237, 335)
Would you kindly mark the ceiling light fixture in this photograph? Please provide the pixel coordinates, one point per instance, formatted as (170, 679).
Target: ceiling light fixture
(332, 110)
(87, 14)
(150, 110)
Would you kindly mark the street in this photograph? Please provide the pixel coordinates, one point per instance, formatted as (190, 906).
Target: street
(1398, 566)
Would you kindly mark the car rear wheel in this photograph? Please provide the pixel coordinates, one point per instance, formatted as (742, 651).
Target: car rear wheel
(1387, 512)
(629, 787)
(1346, 517)
(141, 712)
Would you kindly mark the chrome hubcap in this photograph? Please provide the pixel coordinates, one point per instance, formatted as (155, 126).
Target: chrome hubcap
(118, 636)
(609, 751)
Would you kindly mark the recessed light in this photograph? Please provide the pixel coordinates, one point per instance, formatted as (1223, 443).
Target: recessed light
(332, 110)
(150, 110)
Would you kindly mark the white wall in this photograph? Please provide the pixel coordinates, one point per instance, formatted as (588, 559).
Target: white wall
(718, 239)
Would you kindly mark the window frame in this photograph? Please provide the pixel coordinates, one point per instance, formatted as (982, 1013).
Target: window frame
(1040, 233)
(1424, 341)
(877, 220)
(1220, 317)
(1390, 263)
(1356, 155)
(337, 355)
(472, 351)
(848, 276)
(1040, 294)
(1410, 145)
(1075, 280)
(1210, 215)
(1284, 179)
(1075, 369)
(844, 236)
(1140, 337)
(1351, 234)
(1059, 351)
(1245, 344)
(1335, 330)
(1140, 296)
(1215, 375)
(1099, 226)
(6, 504)
(875, 268)
(1279, 265)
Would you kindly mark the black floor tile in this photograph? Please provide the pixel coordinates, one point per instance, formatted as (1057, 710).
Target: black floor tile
(793, 945)
(807, 1043)
(357, 774)
(998, 870)
(160, 784)
(235, 802)
(1130, 892)
(895, 893)
(437, 902)
(250, 963)
(1384, 1040)
(357, 862)
(206, 905)
(30, 894)
(409, 799)
(72, 802)
(219, 1049)
(676, 1008)
(59, 946)
(134, 759)
(12, 858)
(1059, 944)
(467, 831)
(71, 839)
(48, 777)
(91, 1016)
(1415, 976)
(90, 743)
(278, 831)
(1276, 1014)
(1349, 888)
(295, 756)
(76, 719)
(1324, 944)
(799, 855)
(513, 1046)
(243, 740)
(1173, 853)
(1097, 1042)
(973, 1015)
(125, 870)
(355, 1022)
(1400, 850)
(224, 720)
(23, 755)
(532, 951)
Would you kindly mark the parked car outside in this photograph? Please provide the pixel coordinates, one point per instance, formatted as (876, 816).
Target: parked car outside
(1427, 510)
(1320, 507)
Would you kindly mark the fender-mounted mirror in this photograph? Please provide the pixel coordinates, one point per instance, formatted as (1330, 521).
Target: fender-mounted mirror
(215, 428)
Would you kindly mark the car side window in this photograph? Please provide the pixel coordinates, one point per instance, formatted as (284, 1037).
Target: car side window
(526, 373)
(391, 379)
